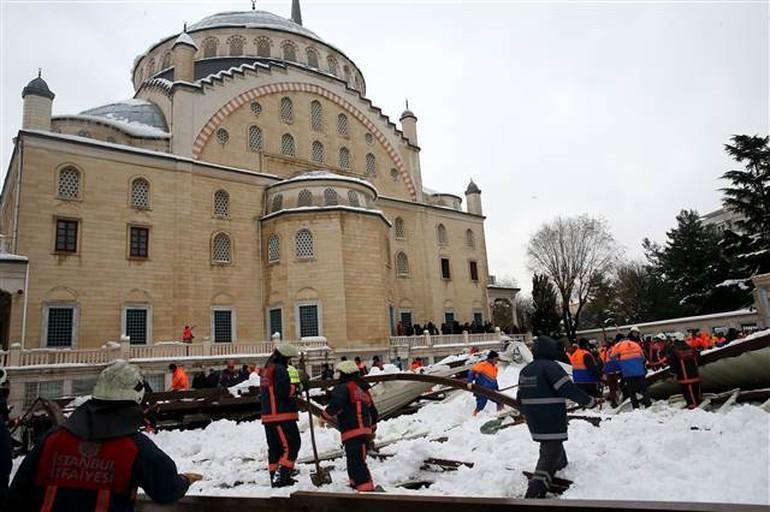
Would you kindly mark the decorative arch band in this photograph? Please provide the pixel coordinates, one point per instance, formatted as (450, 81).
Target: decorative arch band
(234, 104)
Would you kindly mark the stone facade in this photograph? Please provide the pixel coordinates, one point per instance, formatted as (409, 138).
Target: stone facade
(176, 210)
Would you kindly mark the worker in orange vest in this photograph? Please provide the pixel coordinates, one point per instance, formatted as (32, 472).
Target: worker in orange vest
(611, 370)
(484, 374)
(585, 371)
(630, 359)
(416, 364)
(179, 380)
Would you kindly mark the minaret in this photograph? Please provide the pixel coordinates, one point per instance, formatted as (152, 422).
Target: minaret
(473, 199)
(296, 12)
(38, 100)
(184, 57)
(409, 125)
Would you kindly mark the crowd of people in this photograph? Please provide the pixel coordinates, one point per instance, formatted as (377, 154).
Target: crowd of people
(453, 327)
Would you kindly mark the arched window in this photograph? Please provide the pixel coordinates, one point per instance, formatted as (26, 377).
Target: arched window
(274, 249)
(166, 62)
(255, 138)
(344, 157)
(236, 44)
(353, 198)
(312, 58)
(222, 248)
(402, 264)
(289, 51)
(287, 145)
(221, 203)
(394, 175)
(400, 227)
(331, 63)
(316, 115)
(346, 71)
(369, 138)
(303, 244)
(140, 193)
(305, 198)
(319, 154)
(277, 203)
(69, 183)
(210, 45)
(331, 198)
(287, 110)
(222, 136)
(371, 165)
(343, 128)
(256, 108)
(263, 46)
(443, 238)
(470, 238)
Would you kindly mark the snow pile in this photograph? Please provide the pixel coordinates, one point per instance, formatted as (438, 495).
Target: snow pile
(386, 369)
(243, 387)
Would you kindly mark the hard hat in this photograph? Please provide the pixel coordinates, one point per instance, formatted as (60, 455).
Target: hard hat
(119, 381)
(347, 367)
(287, 350)
(634, 329)
(660, 336)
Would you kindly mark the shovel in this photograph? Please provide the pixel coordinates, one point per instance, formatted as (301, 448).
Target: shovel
(321, 475)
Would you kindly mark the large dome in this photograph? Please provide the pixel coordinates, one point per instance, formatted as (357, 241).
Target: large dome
(252, 19)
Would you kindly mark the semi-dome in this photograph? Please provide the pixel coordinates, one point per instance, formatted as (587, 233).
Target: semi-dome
(251, 19)
(133, 111)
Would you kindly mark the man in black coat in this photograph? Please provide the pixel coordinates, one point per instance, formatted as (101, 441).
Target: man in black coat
(97, 459)
(544, 388)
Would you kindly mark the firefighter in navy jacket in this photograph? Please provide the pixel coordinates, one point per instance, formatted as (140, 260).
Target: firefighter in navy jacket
(352, 405)
(97, 459)
(279, 415)
(544, 387)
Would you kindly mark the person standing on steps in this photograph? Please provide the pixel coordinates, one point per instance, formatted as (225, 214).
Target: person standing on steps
(278, 397)
(544, 388)
(484, 374)
(352, 405)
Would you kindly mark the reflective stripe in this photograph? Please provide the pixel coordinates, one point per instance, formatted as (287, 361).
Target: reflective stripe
(350, 434)
(277, 418)
(50, 497)
(284, 461)
(561, 382)
(689, 381)
(542, 475)
(102, 501)
(561, 436)
(543, 401)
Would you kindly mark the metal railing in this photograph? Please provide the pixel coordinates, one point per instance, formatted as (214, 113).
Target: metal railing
(464, 339)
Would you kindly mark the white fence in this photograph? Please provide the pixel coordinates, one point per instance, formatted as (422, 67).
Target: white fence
(464, 339)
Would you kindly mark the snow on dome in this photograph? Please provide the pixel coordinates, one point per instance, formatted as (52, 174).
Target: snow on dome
(184, 38)
(252, 19)
(326, 175)
(134, 112)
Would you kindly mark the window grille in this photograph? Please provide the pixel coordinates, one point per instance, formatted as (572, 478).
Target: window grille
(316, 115)
(66, 236)
(287, 145)
(443, 238)
(156, 381)
(223, 326)
(343, 127)
(478, 317)
(263, 46)
(274, 249)
(470, 238)
(474, 271)
(255, 138)
(319, 154)
(445, 268)
(289, 51)
(140, 193)
(344, 158)
(400, 229)
(139, 246)
(305, 198)
(331, 63)
(222, 248)
(277, 203)
(402, 264)
(394, 175)
(371, 165)
(222, 136)
(84, 133)
(221, 203)
(353, 198)
(166, 62)
(236, 44)
(256, 108)
(308, 321)
(276, 321)
(303, 244)
(136, 326)
(287, 110)
(369, 138)
(331, 198)
(312, 58)
(210, 45)
(60, 323)
(51, 389)
(449, 317)
(406, 320)
(69, 183)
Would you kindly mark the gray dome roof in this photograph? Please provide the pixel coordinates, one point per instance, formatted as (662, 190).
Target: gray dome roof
(472, 188)
(131, 111)
(252, 19)
(37, 87)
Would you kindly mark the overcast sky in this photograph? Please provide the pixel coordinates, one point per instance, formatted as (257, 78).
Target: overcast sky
(614, 109)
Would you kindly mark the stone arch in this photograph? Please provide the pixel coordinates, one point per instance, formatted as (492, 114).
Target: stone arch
(308, 294)
(137, 296)
(247, 97)
(405, 304)
(60, 294)
(222, 299)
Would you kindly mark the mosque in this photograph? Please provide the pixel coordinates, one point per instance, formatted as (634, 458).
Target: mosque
(250, 187)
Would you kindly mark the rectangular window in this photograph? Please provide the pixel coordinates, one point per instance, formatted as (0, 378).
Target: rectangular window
(474, 268)
(60, 323)
(308, 321)
(445, 268)
(136, 326)
(156, 381)
(478, 317)
(276, 321)
(66, 235)
(223, 326)
(52, 389)
(406, 320)
(139, 244)
(449, 317)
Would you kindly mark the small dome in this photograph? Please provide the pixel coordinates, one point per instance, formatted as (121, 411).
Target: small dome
(252, 19)
(134, 111)
(472, 188)
(184, 38)
(37, 87)
(407, 113)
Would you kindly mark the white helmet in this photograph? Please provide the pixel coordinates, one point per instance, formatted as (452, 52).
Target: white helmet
(660, 336)
(119, 381)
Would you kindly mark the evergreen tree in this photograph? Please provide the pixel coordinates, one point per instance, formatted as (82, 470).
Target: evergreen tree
(545, 317)
(748, 195)
(600, 310)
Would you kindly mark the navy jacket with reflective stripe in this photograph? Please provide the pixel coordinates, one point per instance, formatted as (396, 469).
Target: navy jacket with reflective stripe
(544, 387)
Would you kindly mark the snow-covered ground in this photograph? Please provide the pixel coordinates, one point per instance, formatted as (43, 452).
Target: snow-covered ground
(662, 453)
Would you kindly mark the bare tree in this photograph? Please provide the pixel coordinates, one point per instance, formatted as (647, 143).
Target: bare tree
(574, 252)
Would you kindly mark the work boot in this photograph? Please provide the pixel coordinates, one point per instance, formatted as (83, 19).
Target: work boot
(536, 489)
(272, 479)
(283, 478)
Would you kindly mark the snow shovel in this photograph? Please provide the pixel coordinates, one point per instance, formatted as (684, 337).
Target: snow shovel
(321, 475)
